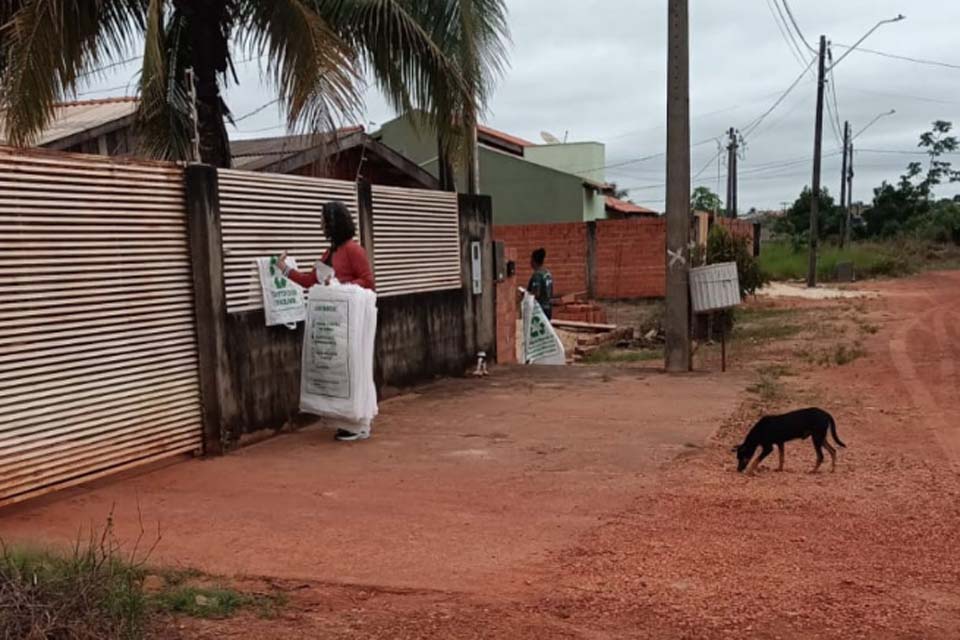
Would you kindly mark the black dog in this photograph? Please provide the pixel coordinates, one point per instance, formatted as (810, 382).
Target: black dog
(776, 430)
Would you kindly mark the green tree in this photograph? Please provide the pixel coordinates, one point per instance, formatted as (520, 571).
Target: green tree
(440, 57)
(703, 199)
(797, 221)
(908, 205)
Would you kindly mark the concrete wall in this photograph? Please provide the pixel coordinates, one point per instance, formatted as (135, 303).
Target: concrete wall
(526, 193)
(250, 373)
(584, 159)
(507, 312)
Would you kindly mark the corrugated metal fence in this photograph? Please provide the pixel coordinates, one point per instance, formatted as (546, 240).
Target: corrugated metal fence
(98, 357)
(99, 366)
(265, 214)
(416, 240)
(416, 233)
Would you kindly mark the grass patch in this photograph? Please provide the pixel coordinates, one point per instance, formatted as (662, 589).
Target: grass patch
(215, 602)
(844, 355)
(758, 314)
(764, 332)
(200, 602)
(768, 387)
(870, 260)
(90, 593)
(622, 356)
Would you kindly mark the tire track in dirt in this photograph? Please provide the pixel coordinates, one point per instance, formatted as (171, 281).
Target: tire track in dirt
(910, 364)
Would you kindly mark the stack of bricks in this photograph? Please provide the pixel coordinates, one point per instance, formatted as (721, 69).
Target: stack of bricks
(580, 311)
(566, 247)
(507, 316)
(630, 256)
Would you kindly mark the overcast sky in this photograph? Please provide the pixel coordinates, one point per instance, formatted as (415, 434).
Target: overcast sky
(596, 70)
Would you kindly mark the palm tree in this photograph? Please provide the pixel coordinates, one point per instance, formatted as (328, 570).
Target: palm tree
(315, 53)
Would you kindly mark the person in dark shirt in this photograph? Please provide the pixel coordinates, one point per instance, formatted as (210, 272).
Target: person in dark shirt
(541, 282)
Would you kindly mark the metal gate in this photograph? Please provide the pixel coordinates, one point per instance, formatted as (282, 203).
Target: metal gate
(98, 354)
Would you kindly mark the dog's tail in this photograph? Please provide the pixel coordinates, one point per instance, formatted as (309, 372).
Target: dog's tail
(833, 432)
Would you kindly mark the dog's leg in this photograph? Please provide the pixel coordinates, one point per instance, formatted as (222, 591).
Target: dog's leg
(767, 450)
(780, 451)
(817, 444)
(833, 455)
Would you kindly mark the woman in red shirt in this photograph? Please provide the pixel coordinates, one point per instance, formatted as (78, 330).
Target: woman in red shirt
(350, 266)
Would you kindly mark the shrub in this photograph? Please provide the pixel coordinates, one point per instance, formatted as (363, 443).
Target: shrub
(722, 246)
(91, 593)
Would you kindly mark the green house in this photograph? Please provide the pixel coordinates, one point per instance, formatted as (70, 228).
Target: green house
(529, 183)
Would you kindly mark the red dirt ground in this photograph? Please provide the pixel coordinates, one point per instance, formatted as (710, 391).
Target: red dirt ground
(582, 504)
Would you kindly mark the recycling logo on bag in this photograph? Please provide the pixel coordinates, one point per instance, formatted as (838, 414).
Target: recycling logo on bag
(538, 328)
(279, 280)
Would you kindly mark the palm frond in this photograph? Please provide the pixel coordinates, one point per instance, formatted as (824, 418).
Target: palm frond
(314, 70)
(398, 50)
(163, 119)
(472, 36)
(48, 45)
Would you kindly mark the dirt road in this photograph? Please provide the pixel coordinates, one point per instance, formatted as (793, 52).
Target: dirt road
(618, 536)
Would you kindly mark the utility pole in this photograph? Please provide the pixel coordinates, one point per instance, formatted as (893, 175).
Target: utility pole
(194, 118)
(677, 350)
(732, 151)
(849, 191)
(473, 172)
(817, 161)
(845, 232)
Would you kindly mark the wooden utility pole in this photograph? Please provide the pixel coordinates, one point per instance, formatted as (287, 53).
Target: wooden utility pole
(678, 189)
(850, 189)
(732, 183)
(845, 232)
(473, 172)
(817, 161)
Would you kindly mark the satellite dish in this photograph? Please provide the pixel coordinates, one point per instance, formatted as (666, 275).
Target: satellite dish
(549, 138)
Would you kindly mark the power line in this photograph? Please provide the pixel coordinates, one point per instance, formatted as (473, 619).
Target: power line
(904, 153)
(836, 103)
(784, 30)
(750, 128)
(112, 65)
(257, 110)
(907, 96)
(796, 26)
(894, 56)
(96, 91)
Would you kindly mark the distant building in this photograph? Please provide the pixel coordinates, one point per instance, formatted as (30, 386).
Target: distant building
(620, 210)
(101, 127)
(349, 154)
(107, 127)
(529, 183)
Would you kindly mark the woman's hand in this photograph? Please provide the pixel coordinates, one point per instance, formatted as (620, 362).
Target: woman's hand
(282, 263)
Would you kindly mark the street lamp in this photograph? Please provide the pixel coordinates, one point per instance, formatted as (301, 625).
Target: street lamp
(874, 121)
(823, 69)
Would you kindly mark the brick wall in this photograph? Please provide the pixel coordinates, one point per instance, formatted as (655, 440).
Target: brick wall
(507, 316)
(630, 259)
(629, 256)
(737, 227)
(566, 246)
